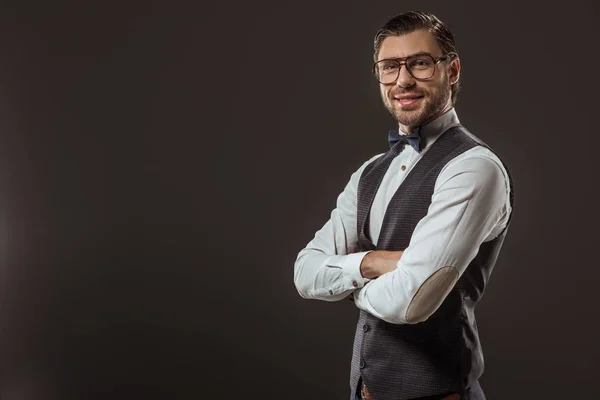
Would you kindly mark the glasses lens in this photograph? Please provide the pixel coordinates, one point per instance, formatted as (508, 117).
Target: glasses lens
(421, 67)
(386, 71)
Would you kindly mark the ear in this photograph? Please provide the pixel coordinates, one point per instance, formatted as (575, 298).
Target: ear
(454, 70)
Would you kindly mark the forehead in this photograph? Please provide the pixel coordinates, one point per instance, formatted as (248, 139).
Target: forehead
(410, 43)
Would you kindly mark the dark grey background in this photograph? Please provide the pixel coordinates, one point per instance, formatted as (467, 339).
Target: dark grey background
(162, 163)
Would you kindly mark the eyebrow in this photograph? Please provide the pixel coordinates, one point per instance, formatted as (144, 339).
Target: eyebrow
(421, 53)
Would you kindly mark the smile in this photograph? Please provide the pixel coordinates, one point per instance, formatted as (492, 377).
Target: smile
(407, 101)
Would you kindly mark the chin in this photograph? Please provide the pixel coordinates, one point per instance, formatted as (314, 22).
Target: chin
(411, 117)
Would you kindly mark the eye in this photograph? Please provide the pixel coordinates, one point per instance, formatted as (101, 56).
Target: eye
(421, 63)
(388, 68)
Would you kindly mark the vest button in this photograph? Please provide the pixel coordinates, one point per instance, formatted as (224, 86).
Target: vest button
(403, 168)
(354, 283)
(362, 364)
(331, 292)
(366, 328)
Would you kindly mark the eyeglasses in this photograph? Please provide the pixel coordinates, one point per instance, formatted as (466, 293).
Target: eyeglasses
(420, 66)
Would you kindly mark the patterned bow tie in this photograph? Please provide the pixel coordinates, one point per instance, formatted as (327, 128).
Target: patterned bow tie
(413, 139)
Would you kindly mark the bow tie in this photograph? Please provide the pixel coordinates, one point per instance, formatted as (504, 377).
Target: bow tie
(413, 139)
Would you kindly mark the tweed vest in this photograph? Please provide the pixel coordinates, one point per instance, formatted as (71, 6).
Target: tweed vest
(442, 354)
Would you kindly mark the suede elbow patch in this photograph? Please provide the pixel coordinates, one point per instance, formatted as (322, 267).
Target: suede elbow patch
(431, 294)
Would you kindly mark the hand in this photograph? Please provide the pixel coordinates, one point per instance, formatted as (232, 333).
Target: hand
(379, 262)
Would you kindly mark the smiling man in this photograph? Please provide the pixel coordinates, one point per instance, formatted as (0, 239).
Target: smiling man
(417, 230)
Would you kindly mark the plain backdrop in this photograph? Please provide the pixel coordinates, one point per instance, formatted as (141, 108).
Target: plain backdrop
(163, 163)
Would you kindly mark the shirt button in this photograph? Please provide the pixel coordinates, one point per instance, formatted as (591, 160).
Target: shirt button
(354, 283)
(366, 328)
(331, 292)
(362, 364)
(403, 168)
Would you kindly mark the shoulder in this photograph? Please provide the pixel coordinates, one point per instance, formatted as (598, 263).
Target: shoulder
(480, 156)
(481, 164)
(355, 178)
(364, 165)
(480, 175)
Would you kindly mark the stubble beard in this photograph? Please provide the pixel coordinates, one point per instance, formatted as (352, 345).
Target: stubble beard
(432, 106)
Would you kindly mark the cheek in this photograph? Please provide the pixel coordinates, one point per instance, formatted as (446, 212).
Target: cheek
(432, 87)
(442, 81)
(384, 91)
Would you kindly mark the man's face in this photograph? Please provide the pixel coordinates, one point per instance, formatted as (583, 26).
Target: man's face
(414, 102)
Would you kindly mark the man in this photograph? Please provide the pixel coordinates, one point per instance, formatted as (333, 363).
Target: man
(417, 230)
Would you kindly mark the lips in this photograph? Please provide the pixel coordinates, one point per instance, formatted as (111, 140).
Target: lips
(407, 100)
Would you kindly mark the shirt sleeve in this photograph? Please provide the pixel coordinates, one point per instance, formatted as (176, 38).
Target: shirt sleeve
(468, 204)
(328, 268)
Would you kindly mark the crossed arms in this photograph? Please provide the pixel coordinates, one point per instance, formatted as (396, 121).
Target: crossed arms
(469, 206)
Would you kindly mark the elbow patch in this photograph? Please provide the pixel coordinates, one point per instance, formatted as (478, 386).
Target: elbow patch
(431, 294)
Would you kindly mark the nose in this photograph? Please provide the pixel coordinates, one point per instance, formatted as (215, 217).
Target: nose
(405, 79)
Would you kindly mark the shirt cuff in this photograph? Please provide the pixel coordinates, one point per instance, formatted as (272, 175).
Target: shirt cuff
(350, 265)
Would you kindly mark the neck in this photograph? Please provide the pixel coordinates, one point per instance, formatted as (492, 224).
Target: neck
(406, 129)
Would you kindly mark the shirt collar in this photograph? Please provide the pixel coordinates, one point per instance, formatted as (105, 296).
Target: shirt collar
(432, 130)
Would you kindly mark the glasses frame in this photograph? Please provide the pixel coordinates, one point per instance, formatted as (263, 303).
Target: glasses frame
(402, 61)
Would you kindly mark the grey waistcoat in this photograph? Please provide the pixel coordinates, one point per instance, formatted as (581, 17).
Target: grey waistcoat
(442, 354)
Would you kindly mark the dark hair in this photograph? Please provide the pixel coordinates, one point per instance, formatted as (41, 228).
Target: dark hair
(414, 20)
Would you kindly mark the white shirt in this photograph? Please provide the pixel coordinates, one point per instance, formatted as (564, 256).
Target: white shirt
(470, 205)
